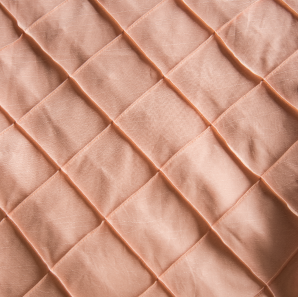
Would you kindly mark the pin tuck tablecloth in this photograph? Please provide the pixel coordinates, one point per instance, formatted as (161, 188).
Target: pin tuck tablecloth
(149, 148)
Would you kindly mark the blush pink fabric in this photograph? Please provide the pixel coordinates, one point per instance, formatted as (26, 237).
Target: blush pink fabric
(149, 148)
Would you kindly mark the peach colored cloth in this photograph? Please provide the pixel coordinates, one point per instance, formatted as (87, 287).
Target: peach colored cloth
(149, 148)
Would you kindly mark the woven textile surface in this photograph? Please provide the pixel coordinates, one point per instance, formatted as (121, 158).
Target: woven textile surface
(149, 148)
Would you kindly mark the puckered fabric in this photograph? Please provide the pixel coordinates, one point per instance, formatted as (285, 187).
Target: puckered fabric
(149, 148)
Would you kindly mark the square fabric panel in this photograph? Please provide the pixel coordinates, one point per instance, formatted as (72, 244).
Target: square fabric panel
(152, 34)
(126, 12)
(208, 176)
(261, 230)
(158, 224)
(200, 272)
(8, 32)
(106, 267)
(116, 77)
(285, 284)
(26, 14)
(268, 21)
(212, 80)
(73, 33)
(20, 267)
(23, 168)
(102, 168)
(26, 77)
(161, 123)
(217, 12)
(53, 125)
(285, 80)
(283, 177)
(49, 286)
(55, 204)
(259, 128)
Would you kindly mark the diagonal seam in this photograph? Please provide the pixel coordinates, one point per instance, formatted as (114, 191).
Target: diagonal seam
(14, 23)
